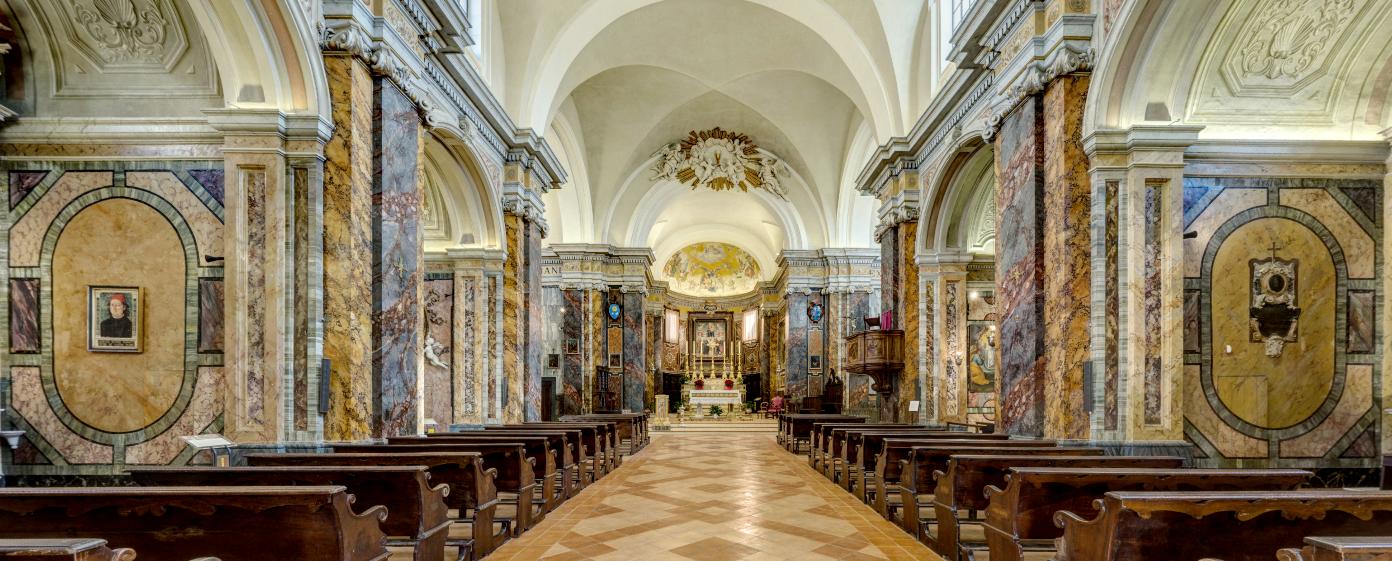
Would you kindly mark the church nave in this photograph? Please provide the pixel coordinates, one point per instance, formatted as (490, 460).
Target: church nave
(715, 497)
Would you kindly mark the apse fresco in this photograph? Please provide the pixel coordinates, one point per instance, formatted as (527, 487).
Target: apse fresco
(712, 269)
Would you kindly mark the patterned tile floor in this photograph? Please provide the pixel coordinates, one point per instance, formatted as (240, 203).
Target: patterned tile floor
(714, 497)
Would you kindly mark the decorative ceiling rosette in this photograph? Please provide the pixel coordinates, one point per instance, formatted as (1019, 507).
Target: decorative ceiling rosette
(719, 160)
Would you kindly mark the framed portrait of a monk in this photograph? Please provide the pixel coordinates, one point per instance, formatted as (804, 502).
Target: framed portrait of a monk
(114, 315)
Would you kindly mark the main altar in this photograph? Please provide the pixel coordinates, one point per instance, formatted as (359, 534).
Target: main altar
(712, 370)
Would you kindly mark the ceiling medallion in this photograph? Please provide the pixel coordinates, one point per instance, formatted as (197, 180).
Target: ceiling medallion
(720, 160)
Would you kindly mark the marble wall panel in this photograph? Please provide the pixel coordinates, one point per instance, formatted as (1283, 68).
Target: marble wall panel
(597, 343)
(795, 347)
(952, 371)
(514, 319)
(1354, 404)
(1111, 352)
(396, 261)
(1361, 316)
(120, 392)
(211, 180)
(1151, 321)
(201, 412)
(348, 173)
(210, 311)
(635, 366)
(1309, 405)
(27, 232)
(205, 224)
(438, 349)
(254, 308)
(572, 360)
(890, 282)
(913, 382)
(471, 349)
(31, 404)
(535, 325)
(1019, 269)
(1192, 325)
(22, 183)
(1067, 189)
(24, 316)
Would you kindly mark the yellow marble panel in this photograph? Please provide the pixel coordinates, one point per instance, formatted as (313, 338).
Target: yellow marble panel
(119, 242)
(27, 398)
(205, 407)
(1224, 206)
(1298, 380)
(1359, 248)
(1357, 398)
(207, 229)
(27, 234)
(1229, 442)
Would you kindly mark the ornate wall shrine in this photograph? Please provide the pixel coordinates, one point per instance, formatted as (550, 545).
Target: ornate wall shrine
(1281, 361)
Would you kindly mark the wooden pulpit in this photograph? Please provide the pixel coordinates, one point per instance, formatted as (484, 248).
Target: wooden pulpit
(880, 355)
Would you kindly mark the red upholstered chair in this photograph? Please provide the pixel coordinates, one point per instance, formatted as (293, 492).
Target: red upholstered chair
(729, 384)
(700, 384)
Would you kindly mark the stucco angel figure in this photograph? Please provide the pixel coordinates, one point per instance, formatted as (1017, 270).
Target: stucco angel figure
(668, 162)
(433, 349)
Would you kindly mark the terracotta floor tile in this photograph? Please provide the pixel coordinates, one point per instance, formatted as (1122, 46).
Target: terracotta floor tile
(714, 497)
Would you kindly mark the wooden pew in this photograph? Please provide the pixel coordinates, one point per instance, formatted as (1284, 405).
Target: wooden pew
(509, 459)
(819, 454)
(1340, 549)
(311, 523)
(417, 516)
(918, 475)
(548, 461)
(631, 426)
(963, 487)
(573, 476)
(866, 448)
(888, 467)
(840, 450)
(795, 428)
(1232, 525)
(66, 549)
(603, 455)
(472, 492)
(1020, 517)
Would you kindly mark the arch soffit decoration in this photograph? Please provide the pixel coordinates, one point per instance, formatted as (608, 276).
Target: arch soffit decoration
(471, 202)
(292, 80)
(953, 196)
(543, 85)
(1155, 37)
(658, 197)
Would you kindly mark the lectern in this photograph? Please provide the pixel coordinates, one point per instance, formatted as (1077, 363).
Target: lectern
(879, 354)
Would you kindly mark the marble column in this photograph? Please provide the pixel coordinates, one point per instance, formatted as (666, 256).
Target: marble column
(348, 170)
(1044, 262)
(635, 364)
(1020, 268)
(1067, 257)
(795, 347)
(572, 363)
(397, 262)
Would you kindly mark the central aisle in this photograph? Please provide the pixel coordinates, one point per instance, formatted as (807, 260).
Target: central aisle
(714, 497)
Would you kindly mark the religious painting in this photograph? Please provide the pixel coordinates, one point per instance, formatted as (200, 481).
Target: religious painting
(114, 317)
(814, 312)
(572, 346)
(710, 337)
(982, 352)
(814, 362)
(614, 310)
(553, 360)
(712, 269)
(615, 360)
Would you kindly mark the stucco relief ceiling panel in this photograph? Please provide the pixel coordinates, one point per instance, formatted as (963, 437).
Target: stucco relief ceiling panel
(1284, 61)
(712, 269)
(124, 47)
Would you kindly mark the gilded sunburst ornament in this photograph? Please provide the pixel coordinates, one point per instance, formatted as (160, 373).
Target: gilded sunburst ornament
(719, 160)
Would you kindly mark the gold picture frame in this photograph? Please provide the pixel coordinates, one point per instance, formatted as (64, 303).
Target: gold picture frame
(115, 319)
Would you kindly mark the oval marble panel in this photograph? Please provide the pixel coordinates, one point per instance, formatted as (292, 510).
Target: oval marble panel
(1273, 392)
(119, 242)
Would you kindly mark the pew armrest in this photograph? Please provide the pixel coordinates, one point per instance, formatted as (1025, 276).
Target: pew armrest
(1290, 554)
(1080, 534)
